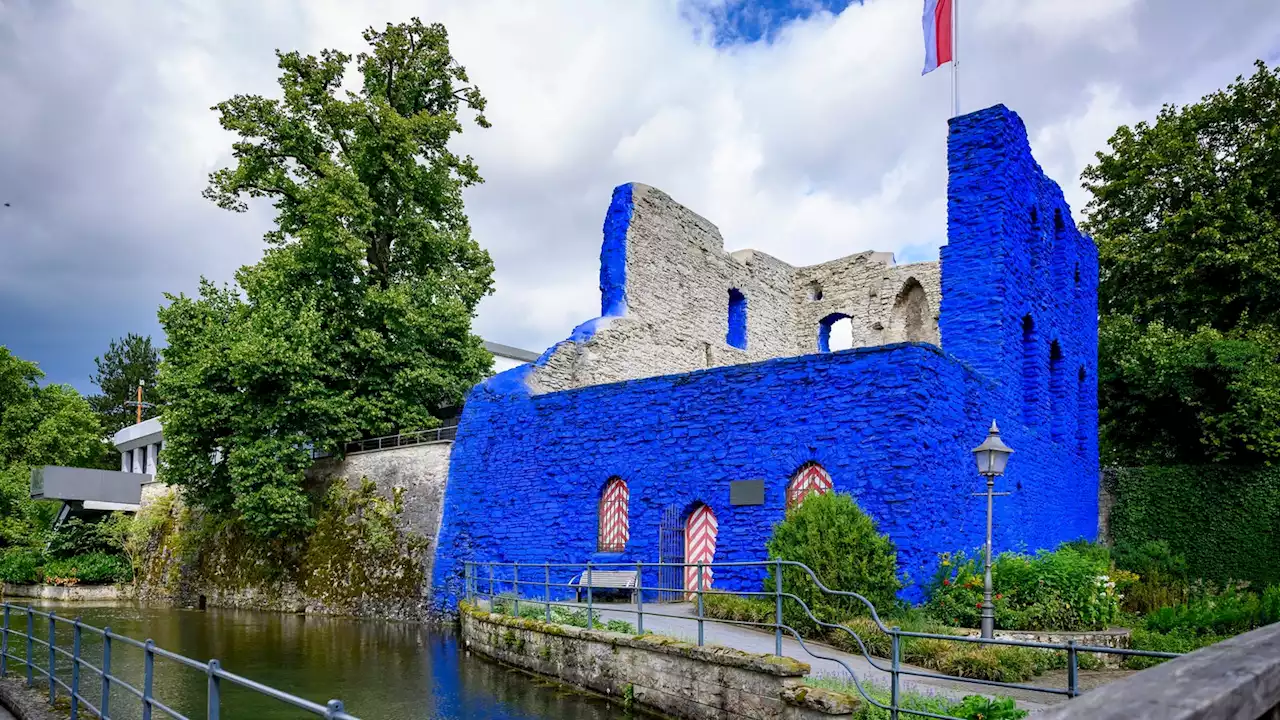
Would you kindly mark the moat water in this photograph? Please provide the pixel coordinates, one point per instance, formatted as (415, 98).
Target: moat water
(380, 670)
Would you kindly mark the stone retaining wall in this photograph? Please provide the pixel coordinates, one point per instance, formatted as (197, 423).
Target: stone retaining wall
(75, 593)
(658, 673)
(1113, 638)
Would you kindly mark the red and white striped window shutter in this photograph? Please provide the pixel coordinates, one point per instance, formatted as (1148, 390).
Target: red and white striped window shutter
(810, 480)
(699, 547)
(614, 527)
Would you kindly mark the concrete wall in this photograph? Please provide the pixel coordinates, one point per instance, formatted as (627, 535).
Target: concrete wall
(674, 678)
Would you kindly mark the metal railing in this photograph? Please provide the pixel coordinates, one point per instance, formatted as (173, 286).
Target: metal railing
(72, 684)
(499, 584)
(386, 442)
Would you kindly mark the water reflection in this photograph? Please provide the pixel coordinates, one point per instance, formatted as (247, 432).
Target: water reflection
(391, 671)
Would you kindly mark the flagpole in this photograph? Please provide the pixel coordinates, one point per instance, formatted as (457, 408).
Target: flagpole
(955, 58)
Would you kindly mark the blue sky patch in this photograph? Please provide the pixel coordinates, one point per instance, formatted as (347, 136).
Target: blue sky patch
(737, 22)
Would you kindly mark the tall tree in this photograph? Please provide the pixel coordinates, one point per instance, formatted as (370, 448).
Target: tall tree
(127, 361)
(357, 321)
(39, 425)
(1186, 214)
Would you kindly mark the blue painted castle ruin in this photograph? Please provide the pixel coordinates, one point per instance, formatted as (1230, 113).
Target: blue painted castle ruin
(708, 368)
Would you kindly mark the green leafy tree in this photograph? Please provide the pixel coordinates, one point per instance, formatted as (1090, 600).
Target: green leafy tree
(39, 425)
(127, 361)
(357, 321)
(1186, 214)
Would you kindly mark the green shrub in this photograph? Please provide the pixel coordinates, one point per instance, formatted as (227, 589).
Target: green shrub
(20, 566)
(90, 568)
(1067, 589)
(1162, 575)
(1176, 641)
(77, 537)
(738, 608)
(837, 540)
(972, 707)
(978, 707)
(1230, 612)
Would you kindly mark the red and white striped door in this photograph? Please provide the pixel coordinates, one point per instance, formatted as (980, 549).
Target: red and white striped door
(811, 480)
(614, 529)
(699, 547)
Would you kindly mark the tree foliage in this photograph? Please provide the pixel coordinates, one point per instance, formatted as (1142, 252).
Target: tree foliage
(1186, 214)
(127, 361)
(39, 425)
(357, 321)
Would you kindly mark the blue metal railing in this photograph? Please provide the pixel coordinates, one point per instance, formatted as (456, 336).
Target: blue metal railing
(496, 581)
(333, 710)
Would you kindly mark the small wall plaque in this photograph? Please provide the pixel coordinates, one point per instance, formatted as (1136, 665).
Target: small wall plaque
(746, 492)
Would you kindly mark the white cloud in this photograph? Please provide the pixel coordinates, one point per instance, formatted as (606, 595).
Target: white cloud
(823, 142)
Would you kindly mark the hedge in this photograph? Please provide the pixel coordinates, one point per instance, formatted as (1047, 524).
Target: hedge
(1224, 520)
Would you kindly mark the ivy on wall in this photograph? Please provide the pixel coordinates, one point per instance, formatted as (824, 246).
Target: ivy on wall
(1224, 520)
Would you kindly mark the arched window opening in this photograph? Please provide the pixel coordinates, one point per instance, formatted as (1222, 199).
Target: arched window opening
(835, 332)
(1057, 393)
(911, 319)
(1030, 372)
(700, 533)
(815, 291)
(810, 479)
(1083, 405)
(614, 523)
(737, 335)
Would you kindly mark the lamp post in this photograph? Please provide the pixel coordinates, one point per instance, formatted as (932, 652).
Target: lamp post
(991, 455)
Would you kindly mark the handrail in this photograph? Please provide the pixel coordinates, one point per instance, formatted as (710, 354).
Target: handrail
(333, 710)
(385, 442)
(495, 580)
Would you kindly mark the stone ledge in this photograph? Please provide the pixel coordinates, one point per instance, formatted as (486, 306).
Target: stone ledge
(714, 654)
(70, 593)
(821, 700)
(28, 703)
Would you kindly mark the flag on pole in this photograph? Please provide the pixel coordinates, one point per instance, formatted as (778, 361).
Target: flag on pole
(938, 37)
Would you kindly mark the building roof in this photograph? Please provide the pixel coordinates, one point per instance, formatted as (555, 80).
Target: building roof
(510, 352)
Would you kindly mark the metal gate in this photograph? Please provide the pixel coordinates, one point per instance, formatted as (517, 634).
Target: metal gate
(670, 550)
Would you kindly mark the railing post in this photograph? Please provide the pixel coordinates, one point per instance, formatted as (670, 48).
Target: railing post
(639, 598)
(896, 641)
(332, 708)
(546, 566)
(466, 580)
(1073, 670)
(699, 604)
(215, 690)
(148, 675)
(777, 607)
(492, 601)
(589, 623)
(31, 634)
(106, 673)
(4, 645)
(53, 659)
(75, 670)
(515, 581)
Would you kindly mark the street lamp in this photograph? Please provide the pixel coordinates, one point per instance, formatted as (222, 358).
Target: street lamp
(992, 455)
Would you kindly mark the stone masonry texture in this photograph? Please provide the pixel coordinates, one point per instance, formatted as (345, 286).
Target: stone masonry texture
(673, 677)
(1003, 327)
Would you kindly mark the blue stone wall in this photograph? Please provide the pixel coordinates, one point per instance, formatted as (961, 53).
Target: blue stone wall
(892, 425)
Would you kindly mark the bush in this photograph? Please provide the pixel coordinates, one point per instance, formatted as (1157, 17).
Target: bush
(971, 707)
(1230, 612)
(20, 566)
(77, 537)
(1176, 641)
(832, 536)
(1161, 575)
(738, 608)
(505, 604)
(1068, 589)
(90, 568)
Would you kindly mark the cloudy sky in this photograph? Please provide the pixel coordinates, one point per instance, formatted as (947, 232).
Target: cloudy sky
(802, 128)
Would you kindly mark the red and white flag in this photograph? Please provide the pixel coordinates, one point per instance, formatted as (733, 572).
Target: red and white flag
(938, 36)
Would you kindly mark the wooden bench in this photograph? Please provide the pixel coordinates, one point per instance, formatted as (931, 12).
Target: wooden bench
(606, 580)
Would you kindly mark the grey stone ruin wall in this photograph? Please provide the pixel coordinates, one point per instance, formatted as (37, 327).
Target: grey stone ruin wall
(678, 278)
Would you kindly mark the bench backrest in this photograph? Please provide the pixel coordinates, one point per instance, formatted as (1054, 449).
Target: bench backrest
(609, 579)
